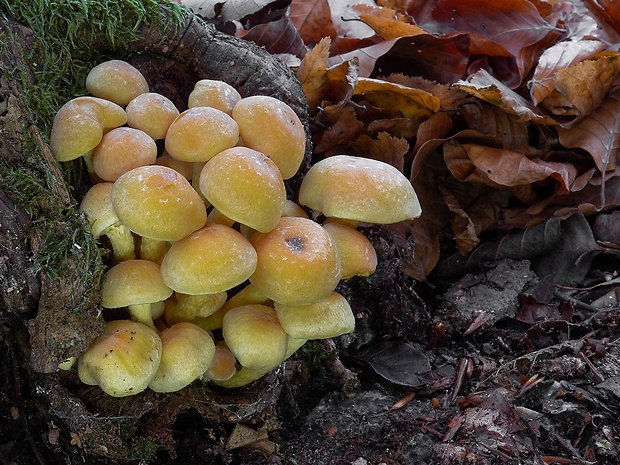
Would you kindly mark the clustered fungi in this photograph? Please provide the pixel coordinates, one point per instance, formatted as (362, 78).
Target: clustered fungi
(208, 217)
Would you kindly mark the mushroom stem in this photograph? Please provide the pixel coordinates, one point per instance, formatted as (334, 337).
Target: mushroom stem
(153, 249)
(121, 241)
(141, 313)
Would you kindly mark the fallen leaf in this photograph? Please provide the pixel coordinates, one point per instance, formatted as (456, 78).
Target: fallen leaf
(485, 87)
(559, 56)
(397, 361)
(583, 86)
(500, 167)
(229, 10)
(244, 436)
(312, 19)
(599, 134)
(278, 37)
(386, 22)
(397, 99)
(384, 148)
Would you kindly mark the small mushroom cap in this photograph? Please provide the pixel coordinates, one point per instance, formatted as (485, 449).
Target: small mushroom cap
(158, 202)
(357, 255)
(79, 125)
(117, 81)
(188, 307)
(121, 150)
(103, 220)
(223, 366)
(246, 186)
(270, 126)
(152, 113)
(213, 93)
(254, 335)
(133, 282)
(123, 360)
(187, 352)
(199, 133)
(362, 189)
(329, 317)
(297, 262)
(213, 259)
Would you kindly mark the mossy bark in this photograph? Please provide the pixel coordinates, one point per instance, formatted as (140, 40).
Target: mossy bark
(50, 314)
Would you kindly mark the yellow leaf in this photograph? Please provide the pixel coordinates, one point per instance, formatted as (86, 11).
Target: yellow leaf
(399, 99)
(312, 73)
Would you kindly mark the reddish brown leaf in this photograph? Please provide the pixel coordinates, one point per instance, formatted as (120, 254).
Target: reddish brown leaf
(384, 148)
(387, 23)
(500, 167)
(487, 88)
(278, 37)
(312, 18)
(599, 134)
(343, 127)
(440, 59)
(312, 73)
(561, 55)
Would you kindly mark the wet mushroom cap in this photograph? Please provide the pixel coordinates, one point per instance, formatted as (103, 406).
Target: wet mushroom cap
(152, 113)
(297, 262)
(357, 255)
(270, 126)
(79, 125)
(133, 282)
(245, 186)
(213, 93)
(121, 150)
(327, 318)
(213, 259)
(199, 133)
(361, 189)
(254, 335)
(158, 202)
(117, 81)
(187, 352)
(123, 360)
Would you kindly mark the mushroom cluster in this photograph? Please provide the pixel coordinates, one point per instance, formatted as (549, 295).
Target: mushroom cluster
(218, 276)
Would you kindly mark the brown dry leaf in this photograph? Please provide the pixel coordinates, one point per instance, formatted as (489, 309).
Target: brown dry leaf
(485, 87)
(278, 37)
(599, 133)
(463, 228)
(435, 127)
(582, 87)
(610, 10)
(312, 18)
(425, 259)
(342, 127)
(384, 148)
(345, 21)
(397, 99)
(312, 73)
(386, 22)
(450, 97)
(243, 436)
(559, 56)
(500, 167)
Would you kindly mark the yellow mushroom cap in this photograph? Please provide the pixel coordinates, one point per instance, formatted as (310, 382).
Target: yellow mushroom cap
(357, 255)
(133, 282)
(123, 360)
(272, 127)
(297, 262)
(152, 113)
(213, 259)
(329, 317)
(224, 364)
(199, 133)
(214, 93)
(254, 335)
(245, 186)
(187, 352)
(362, 189)
(117, 81)
(121, 150)
(158, 202)
(79, 125)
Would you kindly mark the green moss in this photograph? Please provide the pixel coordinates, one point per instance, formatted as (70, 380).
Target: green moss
(67, 35)
(143, 449)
